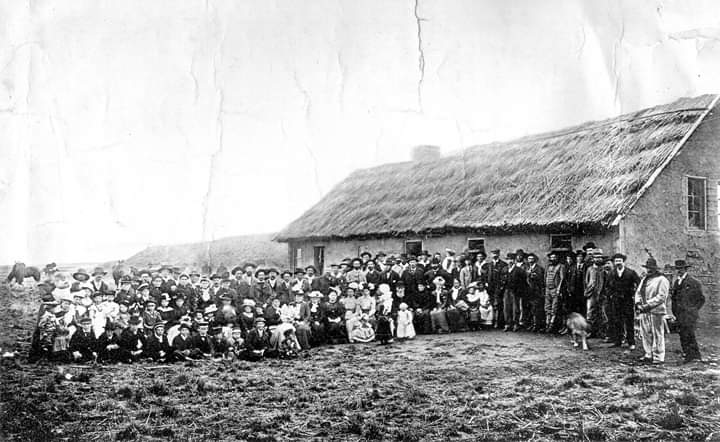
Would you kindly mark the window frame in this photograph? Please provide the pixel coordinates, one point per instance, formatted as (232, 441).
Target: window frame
(558, 249)
(484, 246)
(297, 258)
(405, 245)
(687, 203)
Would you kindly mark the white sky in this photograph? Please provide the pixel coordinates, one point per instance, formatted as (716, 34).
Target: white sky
(124, 124)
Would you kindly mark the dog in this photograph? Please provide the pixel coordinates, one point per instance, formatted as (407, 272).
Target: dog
(578, 326)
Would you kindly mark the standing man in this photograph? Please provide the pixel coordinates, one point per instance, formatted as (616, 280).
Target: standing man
(372, 276)
(389, 276)
(554, 280)
(515, 291)
(536, 291)
(687, 299)
(594, 286)
(621, 287)
(356, 275)
(496, 275)
(650, 302)
(576, 284)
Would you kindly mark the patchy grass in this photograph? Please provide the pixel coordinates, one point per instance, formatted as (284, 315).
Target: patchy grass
(524, 386)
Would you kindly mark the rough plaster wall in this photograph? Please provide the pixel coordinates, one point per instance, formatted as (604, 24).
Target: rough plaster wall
(659, 221)
(335, 251)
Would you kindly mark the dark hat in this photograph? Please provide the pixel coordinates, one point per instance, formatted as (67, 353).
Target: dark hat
(334, 265)
(143, 286)
(180, 296)
(434, 262)
(134, 320)
(151, 301)
(81, 275)
(681, 264)
(619, 255)
(311, 267)
(299, 270)
(389, 261)
(257, 272)
(98, 294)
(75, 288)
(580, 253)
(202, 323)
(50, 267)
(495, 251)
(589, 245)
(519, 252)
(550, 253)
(425, 253)
(286, 272)
(47, 297)
(235, 270)
(271, 270)
(352, 261)
(412, 258)
(510, 255)
(125, 279)
(99, 271)
(215, 276)
(379, 254)
(365, 253)
(194, 273)
(225, 297)
(259, 319)
(159, 324)
(651, 264)
(216, 330)
(400, 284)
(165, 267)
(184, 325)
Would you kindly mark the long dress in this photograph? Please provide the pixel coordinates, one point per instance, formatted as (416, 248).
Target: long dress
(405, 328)
(486, 308)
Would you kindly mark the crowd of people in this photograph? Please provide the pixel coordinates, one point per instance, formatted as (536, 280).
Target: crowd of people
(251, 313)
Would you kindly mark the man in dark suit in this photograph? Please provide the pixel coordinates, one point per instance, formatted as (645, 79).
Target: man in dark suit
(496, 276)
(576, 284)
(622, 283)
(687, 299)
(412, 276)
(389, 276)
(436, 270)
(372, 276)
(257, 342)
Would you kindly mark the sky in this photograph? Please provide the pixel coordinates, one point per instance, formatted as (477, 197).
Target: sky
(133, 123)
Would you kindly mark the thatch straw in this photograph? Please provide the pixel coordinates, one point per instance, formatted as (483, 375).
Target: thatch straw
(581, 177)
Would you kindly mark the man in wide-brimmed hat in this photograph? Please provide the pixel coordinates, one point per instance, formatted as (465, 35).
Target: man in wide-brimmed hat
(555, 276)
(687, 299)
(356, 274)
(650, 301)
(622, 283)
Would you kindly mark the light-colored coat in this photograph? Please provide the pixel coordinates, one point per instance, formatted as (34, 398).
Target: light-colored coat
(655, 296)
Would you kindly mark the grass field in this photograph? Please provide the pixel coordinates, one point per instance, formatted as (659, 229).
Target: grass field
(474, 386)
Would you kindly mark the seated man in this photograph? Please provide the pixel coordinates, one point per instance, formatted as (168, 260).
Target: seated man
(182, 344)
(157, 346)
(132, 341)
(257, 342)
(83, 344)
(109, 344)
(202, 342)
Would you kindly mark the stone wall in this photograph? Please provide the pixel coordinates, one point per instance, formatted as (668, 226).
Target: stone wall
(659, 223)
(335, 251)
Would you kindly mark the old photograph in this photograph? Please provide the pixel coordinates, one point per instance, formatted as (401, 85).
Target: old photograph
(411, 220)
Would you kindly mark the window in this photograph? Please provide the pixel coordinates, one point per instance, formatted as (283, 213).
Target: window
(476, 245)
(696, 202)
(560, 242)
(319, 258)
(413, 247)
(298, 258)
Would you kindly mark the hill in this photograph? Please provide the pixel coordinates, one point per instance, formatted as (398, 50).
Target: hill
(229, 251)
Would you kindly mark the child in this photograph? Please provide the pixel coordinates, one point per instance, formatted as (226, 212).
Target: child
(46, 328)
(363, 331)
(384, 330)
(150, 316)
(473, 301)
(289, 347)
(405, 328)
(486, 309)
(235, 343)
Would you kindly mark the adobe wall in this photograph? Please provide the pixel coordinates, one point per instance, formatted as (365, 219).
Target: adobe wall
(335, 251)
(659, 219)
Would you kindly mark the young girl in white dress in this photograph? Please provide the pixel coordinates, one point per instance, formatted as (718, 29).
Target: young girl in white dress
(405, 328)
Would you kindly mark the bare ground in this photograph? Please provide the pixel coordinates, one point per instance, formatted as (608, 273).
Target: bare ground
(479, 386)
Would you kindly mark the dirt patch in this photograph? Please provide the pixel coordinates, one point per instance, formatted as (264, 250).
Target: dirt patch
(479, 386)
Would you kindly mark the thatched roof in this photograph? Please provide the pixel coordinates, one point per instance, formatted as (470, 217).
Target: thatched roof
(579, 178)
